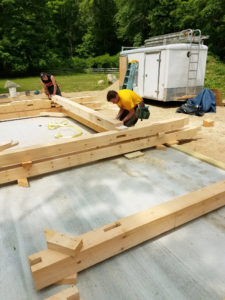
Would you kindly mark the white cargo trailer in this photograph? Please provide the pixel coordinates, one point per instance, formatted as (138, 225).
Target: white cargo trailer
(170, 67)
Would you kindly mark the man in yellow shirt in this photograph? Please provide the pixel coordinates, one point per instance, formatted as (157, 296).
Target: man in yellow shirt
(127, 101)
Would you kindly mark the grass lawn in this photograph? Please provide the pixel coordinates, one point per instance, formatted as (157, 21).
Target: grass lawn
(215, 74)
(68, 83)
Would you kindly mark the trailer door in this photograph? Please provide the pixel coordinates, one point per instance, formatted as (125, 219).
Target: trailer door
(151, 75)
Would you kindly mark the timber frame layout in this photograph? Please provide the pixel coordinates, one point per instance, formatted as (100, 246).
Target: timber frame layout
(65, 255)
(110, 140)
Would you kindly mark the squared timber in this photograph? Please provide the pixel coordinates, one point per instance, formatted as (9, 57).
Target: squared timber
(79, 157)
(108, 142)
(117, 237)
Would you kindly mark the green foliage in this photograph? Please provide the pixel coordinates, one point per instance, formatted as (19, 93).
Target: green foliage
(99, 36)
(104, 61)
(79, 64)
(65, 21)
(132, 20)
(38, 35)
(208, 16)
(215, 74)
(160, 18)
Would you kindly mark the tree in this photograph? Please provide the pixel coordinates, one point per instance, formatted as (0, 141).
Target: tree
(66, 24)
(99, 37)
(206, 15)
(24, 38)
(161, 20)
(132, 20)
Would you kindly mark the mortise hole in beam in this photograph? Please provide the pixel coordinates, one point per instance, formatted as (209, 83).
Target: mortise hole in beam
(121, 136)
(112, 226)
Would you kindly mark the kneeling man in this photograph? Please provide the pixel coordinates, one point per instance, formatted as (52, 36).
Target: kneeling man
(127, 101)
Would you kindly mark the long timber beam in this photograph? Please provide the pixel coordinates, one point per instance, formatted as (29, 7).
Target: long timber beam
(25, 114)
(33, 168)
(82, 120)
(24, 108)
(24, 105)
(50, 266)
(85, 113)
(56, 148)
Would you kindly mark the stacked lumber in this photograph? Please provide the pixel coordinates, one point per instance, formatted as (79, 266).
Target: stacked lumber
(24, 108)
(66, 254)
(40, 159)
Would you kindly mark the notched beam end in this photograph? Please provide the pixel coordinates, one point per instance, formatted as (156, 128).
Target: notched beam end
(63, 243)
(71, 279)
(71, 293)
(34, 259)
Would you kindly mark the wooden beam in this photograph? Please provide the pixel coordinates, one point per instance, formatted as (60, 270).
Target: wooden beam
(218, 96)
(37, 152)
(25, 105)
(68, 160)
(119, 236)
(202, 157)
(185, 97)
(5, 100)
(87, 113)
(53, 114)
(208, 122)
(135, 154)
(64, 243)
(68, 294)
(160, 147)
(23, 182)
(123, 69)
(172, 142)
(27, 164)
(84, 121)
(71, 279)
(25, 114)
(7, 145)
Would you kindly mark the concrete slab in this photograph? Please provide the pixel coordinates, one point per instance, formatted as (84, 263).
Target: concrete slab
(32, 131)
(187, 263)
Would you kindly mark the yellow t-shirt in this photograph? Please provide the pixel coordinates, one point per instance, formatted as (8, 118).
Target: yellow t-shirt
(128, 99)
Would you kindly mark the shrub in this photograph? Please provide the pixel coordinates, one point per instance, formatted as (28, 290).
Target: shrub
(103, 61)
(79, 64)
